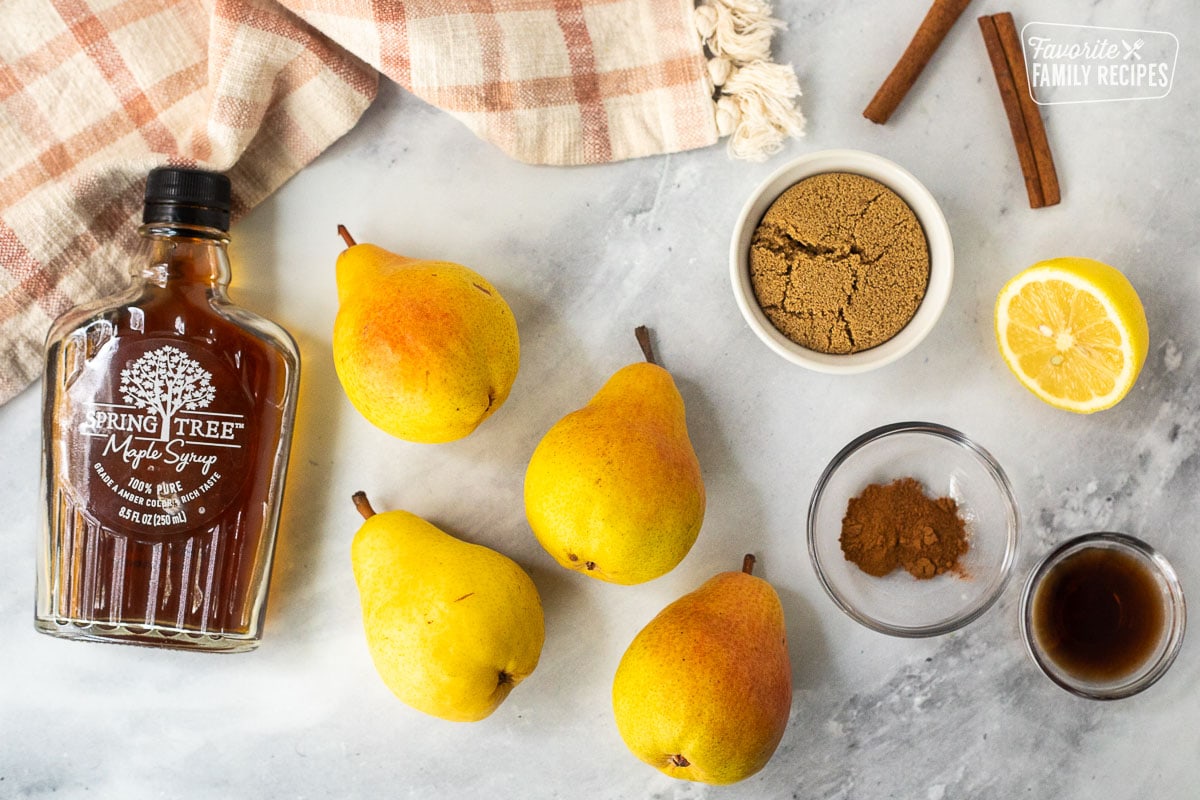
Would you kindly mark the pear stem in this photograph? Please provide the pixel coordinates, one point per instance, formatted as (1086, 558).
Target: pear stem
(748, 564)
(346, 237)
(363, 504)
(642, 334)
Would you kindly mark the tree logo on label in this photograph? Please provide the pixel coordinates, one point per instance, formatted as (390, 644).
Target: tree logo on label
(166, 381)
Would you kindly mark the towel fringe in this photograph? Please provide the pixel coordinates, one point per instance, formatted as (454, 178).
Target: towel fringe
(754, 98)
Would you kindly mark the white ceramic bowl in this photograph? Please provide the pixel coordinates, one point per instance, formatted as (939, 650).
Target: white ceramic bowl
(912, 192)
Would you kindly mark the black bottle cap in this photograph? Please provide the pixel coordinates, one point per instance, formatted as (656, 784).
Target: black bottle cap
(187, 196)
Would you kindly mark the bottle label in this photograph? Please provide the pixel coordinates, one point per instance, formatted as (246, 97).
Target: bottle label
(160, 436)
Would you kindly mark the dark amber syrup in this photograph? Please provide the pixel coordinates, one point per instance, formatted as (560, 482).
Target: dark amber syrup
(1099, 614)
(196, 581)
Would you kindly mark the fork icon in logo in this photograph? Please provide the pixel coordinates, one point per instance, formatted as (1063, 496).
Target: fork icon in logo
(1131, 50)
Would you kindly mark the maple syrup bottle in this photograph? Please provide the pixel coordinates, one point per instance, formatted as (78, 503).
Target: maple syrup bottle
(167, 420)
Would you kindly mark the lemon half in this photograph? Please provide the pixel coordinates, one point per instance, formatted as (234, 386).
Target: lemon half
(1074, 332)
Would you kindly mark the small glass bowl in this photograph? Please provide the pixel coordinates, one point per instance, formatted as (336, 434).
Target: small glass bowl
(1157, 661)
(947, 464)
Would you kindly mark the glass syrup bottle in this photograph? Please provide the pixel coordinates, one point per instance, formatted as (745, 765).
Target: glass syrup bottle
(167, 421)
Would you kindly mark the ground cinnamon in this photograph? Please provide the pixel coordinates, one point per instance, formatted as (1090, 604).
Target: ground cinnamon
(898, 525)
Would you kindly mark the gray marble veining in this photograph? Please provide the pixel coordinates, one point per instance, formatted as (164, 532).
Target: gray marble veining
(583, 255)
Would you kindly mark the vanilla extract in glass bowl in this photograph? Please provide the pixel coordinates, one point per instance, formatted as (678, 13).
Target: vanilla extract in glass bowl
(1103, 615)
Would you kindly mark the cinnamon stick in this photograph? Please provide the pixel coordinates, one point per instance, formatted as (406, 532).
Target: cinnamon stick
(1047, 175)
(937, 23)
(1012, 108)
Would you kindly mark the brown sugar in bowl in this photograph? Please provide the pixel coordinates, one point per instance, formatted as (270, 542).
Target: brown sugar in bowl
(846, 272)
(839, 263)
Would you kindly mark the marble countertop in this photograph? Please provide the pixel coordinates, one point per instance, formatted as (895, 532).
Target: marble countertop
(583, 255)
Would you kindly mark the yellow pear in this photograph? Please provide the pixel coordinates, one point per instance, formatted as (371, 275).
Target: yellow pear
(425, 350)
(614, 489)
(452, 627)
(705, 690)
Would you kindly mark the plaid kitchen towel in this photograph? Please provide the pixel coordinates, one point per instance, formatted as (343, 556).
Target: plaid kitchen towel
(93, 93)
